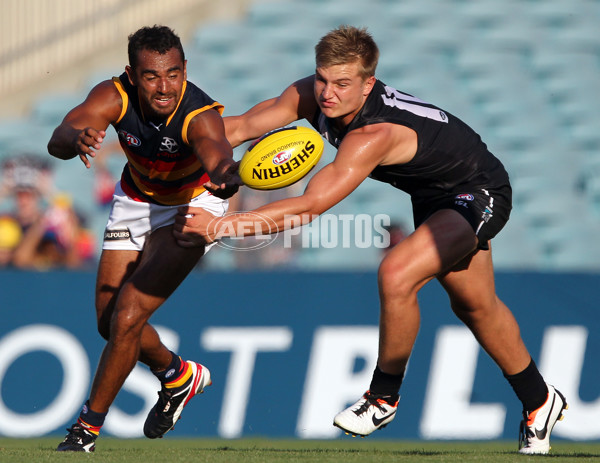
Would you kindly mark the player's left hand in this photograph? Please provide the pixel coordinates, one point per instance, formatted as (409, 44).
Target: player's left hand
(230, 182)
(191, 228)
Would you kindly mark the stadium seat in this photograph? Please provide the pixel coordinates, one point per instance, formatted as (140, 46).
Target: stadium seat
(524, 75)
(51, 109)
(513, 248)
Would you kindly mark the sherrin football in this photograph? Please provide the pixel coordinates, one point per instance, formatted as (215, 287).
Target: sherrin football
(281, 157)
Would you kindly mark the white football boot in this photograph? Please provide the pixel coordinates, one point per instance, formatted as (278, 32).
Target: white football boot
(371, 412)
(534, 433)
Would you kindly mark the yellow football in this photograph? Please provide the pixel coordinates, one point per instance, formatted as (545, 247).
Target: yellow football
(281, 157)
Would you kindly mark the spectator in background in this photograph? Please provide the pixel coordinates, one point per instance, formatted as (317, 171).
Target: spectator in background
(56, 240)
(51, 234)
(104, 178)
(10, 236)
(26, 182)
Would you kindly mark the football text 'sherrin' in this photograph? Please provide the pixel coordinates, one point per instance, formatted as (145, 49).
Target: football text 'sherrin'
(292, 164)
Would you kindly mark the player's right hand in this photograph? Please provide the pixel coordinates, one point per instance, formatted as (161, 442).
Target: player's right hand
(86, 141)
(229, 182)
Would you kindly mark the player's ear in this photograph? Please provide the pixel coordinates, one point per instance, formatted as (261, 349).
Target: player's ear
(369, 83)
(130, 74)
(185, 69)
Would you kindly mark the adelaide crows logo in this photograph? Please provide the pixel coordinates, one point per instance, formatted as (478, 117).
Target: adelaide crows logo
(169, 145)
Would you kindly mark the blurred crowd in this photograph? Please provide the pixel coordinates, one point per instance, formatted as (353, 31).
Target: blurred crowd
(39, 227)
(41, 230)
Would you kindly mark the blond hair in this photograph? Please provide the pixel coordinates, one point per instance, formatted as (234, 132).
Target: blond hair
(348, 44)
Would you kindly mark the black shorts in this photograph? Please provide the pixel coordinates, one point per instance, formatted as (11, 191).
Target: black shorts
(486, 210)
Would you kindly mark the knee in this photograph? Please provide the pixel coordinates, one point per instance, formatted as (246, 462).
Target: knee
(125, 323)
(127, 317)
(471, 312)
(395, 280)
(122, 311)
(464, 312)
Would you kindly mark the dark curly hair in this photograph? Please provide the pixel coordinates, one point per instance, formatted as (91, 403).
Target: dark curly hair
(156, 38)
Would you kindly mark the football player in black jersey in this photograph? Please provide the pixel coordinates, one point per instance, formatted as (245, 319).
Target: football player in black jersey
(174, 139)
(461, 199)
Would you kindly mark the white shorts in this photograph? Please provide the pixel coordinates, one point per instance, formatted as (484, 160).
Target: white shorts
(131, 222)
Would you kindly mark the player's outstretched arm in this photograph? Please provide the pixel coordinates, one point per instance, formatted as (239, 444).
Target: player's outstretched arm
(83, 129)
(206, 135)
(360, 152)
(296, 102)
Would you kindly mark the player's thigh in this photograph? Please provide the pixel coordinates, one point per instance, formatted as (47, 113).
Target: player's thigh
(439, 243)
(163, 266)
(115, 267)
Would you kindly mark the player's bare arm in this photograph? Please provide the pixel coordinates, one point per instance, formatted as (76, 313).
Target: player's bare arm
(206, 135)
(296, 102)
(83, 129)
(360, 152)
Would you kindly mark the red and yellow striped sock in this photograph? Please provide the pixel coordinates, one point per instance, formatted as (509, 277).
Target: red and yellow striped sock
(90, 420)
(88, 427)
(184, 374)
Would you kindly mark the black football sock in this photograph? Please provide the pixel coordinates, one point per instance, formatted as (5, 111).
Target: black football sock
(172, 370)
(530, 387)
(91, 420)
(386, 384)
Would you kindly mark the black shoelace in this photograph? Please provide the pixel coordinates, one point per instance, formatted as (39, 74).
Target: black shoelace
(372, 399)
(525, 433)
(76, 433)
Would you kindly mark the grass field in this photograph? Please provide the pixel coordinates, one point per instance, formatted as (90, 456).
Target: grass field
(110, 450)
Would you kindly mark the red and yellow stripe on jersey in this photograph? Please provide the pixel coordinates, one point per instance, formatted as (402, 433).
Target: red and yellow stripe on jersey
(162, 167)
